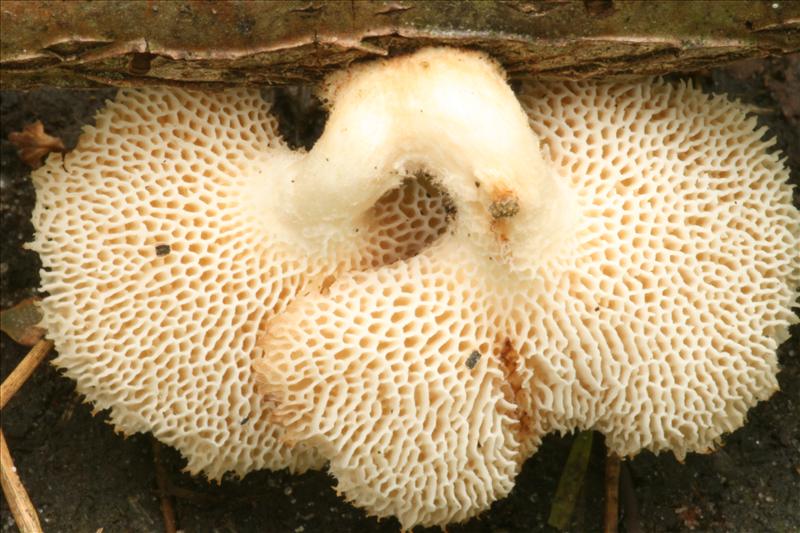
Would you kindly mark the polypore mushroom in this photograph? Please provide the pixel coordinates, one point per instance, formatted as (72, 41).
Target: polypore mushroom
(165, 249)
(623, 257)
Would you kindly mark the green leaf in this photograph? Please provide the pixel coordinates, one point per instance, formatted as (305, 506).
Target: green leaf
(569, 486)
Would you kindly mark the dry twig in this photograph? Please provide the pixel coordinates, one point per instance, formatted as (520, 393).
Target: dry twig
(167, 511)
(197, 498)
(24, 369)
(612, 494)
(629, 505)
(18, 501)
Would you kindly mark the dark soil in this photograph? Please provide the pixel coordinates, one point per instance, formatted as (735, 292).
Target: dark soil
(82, 476)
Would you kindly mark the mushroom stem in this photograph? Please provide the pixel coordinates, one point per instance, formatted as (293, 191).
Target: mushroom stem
(451, 115)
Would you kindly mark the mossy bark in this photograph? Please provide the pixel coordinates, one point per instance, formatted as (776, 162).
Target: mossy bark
(84, 43)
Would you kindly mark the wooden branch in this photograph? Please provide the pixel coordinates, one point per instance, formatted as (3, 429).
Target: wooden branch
(611, 519)
(630, 507)
(85, 43)
(162, 482)
(22, 509)
(23, 371)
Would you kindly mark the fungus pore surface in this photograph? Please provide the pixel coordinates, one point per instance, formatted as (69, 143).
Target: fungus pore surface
(623, 257)
(451, 273)
(162, 258)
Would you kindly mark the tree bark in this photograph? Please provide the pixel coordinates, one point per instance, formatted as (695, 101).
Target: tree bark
(85, 43)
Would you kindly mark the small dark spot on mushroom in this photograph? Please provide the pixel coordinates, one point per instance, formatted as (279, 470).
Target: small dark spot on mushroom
(478, 184)
(473, 359)
(163, 249)
(597, 308)
(244, 421)
(505, 206)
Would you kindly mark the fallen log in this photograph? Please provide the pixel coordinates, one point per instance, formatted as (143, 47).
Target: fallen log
(85, 43)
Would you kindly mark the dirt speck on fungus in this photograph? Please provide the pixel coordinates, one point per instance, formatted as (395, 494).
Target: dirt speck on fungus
(82, 477)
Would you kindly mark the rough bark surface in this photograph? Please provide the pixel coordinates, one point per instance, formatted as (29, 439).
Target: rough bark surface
(83, 43)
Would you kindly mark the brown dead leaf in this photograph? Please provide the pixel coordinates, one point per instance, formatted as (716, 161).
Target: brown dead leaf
(33, 144)
(690, 515)
(21, 322)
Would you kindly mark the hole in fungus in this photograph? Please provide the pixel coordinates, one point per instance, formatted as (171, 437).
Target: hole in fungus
(408, 219)
(300, 115)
